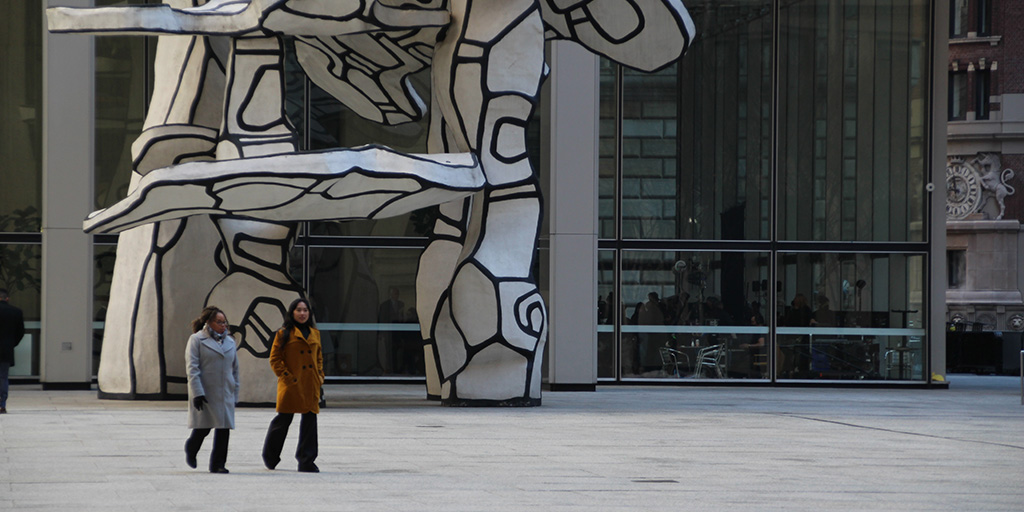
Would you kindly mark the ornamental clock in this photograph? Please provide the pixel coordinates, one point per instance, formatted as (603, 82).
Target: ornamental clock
(963, 190)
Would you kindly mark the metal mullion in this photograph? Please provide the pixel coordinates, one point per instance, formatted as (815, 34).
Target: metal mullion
(773, 225)
(617, 249)
(929, 220)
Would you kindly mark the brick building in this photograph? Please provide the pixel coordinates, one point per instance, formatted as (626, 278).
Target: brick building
(985, 168)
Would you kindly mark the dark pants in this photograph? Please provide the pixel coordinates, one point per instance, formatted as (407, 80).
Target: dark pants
(308, 447)
(5, 369)
(220, 445)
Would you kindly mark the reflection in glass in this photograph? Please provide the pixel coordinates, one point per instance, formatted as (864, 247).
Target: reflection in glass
(853, 102)
(21, 111)
(103, 278)
(957, 96)
(958, 17)
(607, 149)
(20, 274)
(982, 91)
(120, 108)
(608, 309)
(706, 308)
(364, 301)
(295, 83)
(851, 316)
(333, 126)
(649, 154)
(695, 146)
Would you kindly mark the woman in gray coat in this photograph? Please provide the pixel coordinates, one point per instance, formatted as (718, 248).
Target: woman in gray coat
(212, 366)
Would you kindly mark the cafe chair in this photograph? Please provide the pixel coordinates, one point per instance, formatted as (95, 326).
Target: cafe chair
(670, 361)
(760, 364)
(900, 360)
(711, 358)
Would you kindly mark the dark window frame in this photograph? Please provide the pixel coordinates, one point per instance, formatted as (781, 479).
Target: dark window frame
(982, 93)
(961, 114)
(983, 17)
(953, 18)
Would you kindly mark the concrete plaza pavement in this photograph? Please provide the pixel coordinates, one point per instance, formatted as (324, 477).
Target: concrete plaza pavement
(386, 448)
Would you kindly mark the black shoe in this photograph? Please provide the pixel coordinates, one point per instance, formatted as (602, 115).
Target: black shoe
(190, 458)
(308, 468)
(221, 469)
(271, 463)
(3, 410)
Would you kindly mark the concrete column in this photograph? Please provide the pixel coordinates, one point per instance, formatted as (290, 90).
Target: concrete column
(68, 113)
(569, 153)
(937, 192)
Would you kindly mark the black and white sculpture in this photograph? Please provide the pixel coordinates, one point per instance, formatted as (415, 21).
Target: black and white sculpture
(482, 317)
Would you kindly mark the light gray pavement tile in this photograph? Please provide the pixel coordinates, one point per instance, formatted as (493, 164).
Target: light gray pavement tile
(383, 447)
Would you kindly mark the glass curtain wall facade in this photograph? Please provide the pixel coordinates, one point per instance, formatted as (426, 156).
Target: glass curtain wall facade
(762, 203)
(21, 147)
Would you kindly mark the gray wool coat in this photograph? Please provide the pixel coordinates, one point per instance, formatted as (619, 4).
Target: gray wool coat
(212, 369)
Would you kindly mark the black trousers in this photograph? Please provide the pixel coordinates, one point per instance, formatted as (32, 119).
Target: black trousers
(220, 445)
(308, 447)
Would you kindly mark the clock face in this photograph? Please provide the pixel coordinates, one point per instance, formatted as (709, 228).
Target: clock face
(963, 191)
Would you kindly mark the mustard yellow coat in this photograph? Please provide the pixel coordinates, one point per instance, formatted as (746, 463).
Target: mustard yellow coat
(299, 365)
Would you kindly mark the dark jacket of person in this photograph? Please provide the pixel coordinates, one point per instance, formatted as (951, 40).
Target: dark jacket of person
(12, 329)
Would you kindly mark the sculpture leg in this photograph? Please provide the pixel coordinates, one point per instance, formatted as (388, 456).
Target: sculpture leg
(146, 323)
(495, 306)
(436, 268)
(489, 325)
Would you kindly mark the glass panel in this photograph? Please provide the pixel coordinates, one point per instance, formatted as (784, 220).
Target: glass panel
(608, 305)
(332, 125)
(103, 277)
(851, 316)
(120, 109)
(649, 154)
(957, 18)
(19, 274)
(958, 96)
(981, 94)
(364, 303)
(702, 307)
(297, 264)
(984, 15)
(21, 110)
(542, 272)
(607, 148)
(725, 137)
(696, 143)
(956, 269)
(852, 120)
(295, 92)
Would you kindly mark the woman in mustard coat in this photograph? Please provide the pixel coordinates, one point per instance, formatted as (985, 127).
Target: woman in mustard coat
(298, 362)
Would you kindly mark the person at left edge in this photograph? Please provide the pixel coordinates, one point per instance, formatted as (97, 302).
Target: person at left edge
(212, 365)
(12, 329)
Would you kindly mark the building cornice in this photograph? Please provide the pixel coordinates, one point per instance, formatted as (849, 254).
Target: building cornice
(983, 226)
(986, 297)
(975, 39)
(985, 130)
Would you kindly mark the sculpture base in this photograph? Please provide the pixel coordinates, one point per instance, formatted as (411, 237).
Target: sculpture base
(510, 402)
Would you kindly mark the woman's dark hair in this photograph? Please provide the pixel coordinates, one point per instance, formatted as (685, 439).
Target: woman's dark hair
(289, 320)
(204, 318)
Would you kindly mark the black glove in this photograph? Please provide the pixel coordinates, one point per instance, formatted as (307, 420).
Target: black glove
(198, 402)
